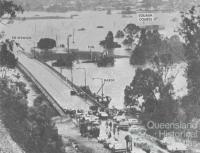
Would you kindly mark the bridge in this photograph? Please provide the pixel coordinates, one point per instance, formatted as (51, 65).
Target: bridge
(51, 85)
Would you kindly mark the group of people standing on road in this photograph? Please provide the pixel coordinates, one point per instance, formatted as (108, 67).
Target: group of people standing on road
(111, 128)
(89, 130)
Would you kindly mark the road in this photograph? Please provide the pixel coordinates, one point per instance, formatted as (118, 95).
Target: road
(60, 91)
(54, 85)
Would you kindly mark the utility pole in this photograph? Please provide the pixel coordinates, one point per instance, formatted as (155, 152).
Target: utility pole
(91, 47)
(102, 84)
(56, 40)
(73, 36)
(72, 80)
(85, 75)
(34, 44)
(68, 36)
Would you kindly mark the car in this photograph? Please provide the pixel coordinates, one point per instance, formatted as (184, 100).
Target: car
(124, 125)
(103, 115)
(137, 129)
(102, 139)
(118, 148)
(91, 118)
(73, 92)
(109, 143)
(133, 121)
(119, 118)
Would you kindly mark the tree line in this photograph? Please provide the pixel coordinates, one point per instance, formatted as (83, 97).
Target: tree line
(153, 85)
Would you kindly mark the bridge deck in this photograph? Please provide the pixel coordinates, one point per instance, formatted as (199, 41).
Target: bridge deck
(53, 84)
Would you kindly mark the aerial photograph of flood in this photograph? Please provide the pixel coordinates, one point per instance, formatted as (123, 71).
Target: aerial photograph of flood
(100, 76)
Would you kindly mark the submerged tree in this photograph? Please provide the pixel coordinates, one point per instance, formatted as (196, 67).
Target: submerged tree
(46, 43)
(131, 31)
(119, 34)
(109, 43)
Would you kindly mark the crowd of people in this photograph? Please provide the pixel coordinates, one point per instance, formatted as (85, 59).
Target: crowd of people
(88, 129)
(112, 129)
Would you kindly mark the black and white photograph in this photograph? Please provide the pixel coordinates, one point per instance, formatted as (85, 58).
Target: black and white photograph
(99, 76)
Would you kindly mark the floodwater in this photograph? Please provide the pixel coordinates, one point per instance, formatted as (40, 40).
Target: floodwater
(121, 73)
(58, 29)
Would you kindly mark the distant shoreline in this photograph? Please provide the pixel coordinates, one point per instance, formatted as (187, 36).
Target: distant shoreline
(40, 17)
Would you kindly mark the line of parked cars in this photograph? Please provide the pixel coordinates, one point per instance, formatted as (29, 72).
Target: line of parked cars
(124, 123)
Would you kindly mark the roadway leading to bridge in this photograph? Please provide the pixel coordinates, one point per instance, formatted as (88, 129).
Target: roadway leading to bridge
(53, 84)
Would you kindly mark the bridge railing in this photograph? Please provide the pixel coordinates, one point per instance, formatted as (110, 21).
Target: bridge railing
(77, 88)
(53, 102)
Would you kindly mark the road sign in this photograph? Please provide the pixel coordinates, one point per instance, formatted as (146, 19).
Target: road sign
(145, 17)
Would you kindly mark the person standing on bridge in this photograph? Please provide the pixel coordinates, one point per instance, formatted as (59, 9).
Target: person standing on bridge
(128, 139)
(110, 124)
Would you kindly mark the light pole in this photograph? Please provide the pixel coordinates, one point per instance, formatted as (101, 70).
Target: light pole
(68, 36)
(72, 80)
(73, 36)
(102, 84)
(85, 74)
(91, 47)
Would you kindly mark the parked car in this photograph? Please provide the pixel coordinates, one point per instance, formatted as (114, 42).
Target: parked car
(134, 121)
(91, 118)
(118, 148)
(73, 92)
(137, 129)
(102, 139)
(119, 118)
(124, 125)
(109, 143)
(103, 115)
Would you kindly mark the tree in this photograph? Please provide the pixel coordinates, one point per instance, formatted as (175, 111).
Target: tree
(177, 48)
(149, 45)
(7, 58)
(190, 31)
(109, 43)
(128, 42)
(8, 7)
(131, 29)
(152, 43)
(46, 43)
(159, 105)
(138, 56)
(119, 34)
